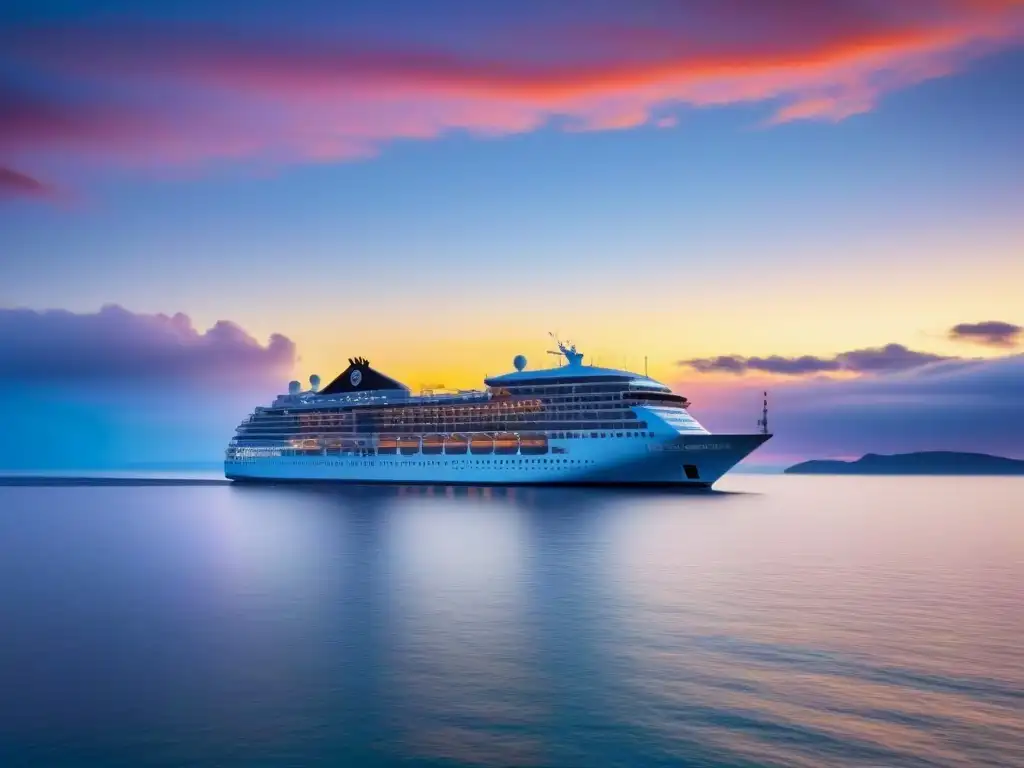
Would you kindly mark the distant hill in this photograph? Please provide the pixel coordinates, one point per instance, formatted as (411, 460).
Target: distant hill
(925, 463)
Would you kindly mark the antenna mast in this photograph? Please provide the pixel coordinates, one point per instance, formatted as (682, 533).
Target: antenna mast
(763, 422)
(567, 351)
(560, 354)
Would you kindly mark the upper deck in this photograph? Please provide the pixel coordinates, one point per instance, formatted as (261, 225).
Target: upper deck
(574, 374)
(316, 400)
(359, 385)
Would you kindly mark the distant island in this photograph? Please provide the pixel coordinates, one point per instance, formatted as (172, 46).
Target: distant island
(924, 463)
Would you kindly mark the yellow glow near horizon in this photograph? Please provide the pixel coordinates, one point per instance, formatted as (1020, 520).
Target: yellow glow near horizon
(823, 308)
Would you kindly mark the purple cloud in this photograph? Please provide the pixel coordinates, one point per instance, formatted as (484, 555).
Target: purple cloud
(16, 184)
(993, 333)
(960, 405)
(891, 357)
(115, 346)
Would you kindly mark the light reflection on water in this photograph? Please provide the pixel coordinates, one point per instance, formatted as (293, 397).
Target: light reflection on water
(792, 621)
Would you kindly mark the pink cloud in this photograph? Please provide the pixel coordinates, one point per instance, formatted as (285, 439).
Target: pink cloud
(191, 95)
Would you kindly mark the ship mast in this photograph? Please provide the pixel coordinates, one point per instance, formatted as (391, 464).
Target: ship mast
(558, 354)
(568, 352)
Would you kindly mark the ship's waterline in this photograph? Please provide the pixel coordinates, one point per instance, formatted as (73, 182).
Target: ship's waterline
(575, 424)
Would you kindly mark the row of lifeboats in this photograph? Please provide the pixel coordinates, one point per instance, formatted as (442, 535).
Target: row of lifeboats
(501, 444)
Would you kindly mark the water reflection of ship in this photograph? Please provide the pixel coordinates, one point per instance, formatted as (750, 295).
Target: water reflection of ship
(563, 501)
(351, 617)
(495, 607)
(471, 596)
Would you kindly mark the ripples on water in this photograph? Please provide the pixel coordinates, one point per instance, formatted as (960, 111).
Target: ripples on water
(797, 621)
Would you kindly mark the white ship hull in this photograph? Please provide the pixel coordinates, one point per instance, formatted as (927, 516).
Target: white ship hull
(695, 461)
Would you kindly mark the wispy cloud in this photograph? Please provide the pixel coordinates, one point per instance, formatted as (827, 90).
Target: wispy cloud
(16, 184)
(192, 93)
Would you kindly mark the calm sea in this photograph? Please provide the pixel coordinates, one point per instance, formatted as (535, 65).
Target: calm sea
(789, 621)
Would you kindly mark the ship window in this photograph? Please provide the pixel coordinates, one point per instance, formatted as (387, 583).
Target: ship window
(691, 472)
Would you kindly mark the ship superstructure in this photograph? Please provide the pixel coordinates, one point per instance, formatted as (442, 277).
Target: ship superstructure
(574, 424)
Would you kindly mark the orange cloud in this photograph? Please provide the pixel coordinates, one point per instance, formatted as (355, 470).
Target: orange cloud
(286, 96)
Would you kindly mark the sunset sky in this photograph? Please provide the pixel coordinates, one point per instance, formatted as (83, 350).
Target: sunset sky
(824, 198)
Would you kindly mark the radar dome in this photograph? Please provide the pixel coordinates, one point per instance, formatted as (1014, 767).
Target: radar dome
(294, 387)
(314, 382)
(519, 362)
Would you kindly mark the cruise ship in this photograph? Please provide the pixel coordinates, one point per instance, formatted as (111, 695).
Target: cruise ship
(574, 424)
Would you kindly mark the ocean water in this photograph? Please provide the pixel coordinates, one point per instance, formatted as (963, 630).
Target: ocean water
(782, 621)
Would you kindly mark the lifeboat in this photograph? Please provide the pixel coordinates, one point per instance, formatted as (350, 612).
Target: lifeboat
(409, 444)
(433, 445)
(533, 444)
(506, 443)
(481, 444)
(387, 444)
(310, 446)
(456, 444)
